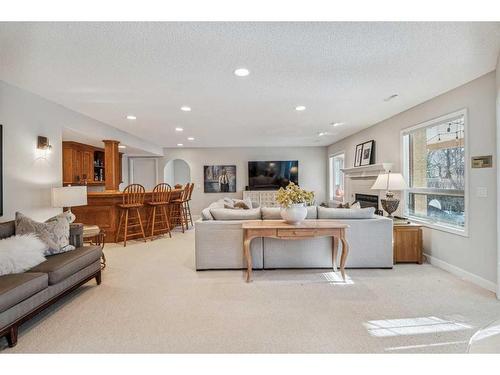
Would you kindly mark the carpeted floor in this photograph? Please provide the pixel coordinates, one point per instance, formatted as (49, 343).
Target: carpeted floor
(152, 300)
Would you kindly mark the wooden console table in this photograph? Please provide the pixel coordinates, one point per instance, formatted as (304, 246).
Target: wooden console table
(306, 229)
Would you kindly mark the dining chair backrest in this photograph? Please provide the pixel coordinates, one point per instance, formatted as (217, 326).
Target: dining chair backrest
(185, 191)
(134, 194)
(191, 191)
(161, 193)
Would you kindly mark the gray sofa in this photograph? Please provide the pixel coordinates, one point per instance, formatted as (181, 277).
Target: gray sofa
(219, 243)
(25, 294)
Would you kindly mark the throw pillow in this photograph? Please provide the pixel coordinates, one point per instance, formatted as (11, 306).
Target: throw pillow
(225, 214)
(356, 205)
(21, 253)
(342, 213)
(54, 233)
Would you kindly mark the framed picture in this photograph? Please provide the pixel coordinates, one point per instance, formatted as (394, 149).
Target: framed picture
(357, 155)
(219, 178)
(368, 153)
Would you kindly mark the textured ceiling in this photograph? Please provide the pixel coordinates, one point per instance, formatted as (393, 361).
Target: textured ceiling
(340, 71)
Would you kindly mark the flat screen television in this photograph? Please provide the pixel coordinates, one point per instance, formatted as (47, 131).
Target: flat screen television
(271, 175)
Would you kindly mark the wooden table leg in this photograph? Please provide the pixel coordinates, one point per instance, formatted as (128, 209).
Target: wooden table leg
(345, 252)
(248, 256)
(335, 251)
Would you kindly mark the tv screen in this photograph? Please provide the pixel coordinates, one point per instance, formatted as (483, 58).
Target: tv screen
(271, 175)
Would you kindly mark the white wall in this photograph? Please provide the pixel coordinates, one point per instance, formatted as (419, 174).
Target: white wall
(312, 167)
(476, 254)
(182, 172)
(29, 174)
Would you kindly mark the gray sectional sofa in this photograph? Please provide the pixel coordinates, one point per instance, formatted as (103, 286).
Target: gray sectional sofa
(219, 240)
(25, 294)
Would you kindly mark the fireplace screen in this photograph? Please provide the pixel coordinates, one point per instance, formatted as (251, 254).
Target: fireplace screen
(366, 200)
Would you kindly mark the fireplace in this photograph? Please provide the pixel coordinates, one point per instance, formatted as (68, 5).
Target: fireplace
(367, 200)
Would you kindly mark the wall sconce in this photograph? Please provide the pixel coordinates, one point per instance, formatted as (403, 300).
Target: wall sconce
(43, 143)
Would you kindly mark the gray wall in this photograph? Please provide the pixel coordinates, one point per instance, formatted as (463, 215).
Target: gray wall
(474, 256)
(312, 167)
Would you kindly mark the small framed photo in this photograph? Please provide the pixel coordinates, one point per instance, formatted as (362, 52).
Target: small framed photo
(357, 155)
(368, 153)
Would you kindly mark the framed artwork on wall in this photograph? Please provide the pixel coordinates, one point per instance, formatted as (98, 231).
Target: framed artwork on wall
(357, 155)
(219, 178)
(368, 153)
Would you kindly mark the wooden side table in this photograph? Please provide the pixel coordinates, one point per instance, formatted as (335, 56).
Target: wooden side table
(407, 243)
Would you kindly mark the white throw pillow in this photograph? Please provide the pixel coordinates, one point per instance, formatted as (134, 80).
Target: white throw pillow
(21, 253)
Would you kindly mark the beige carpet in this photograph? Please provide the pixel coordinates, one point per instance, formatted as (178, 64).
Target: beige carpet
(152, 300)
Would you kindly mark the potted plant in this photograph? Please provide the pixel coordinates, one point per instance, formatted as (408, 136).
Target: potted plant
(293, 201)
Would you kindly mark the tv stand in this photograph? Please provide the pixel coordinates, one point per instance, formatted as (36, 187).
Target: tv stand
(264, 198)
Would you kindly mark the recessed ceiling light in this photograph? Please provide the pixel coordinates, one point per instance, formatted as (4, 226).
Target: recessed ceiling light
(179, 129)
(180, 144)
(393, 96)
(300, 108)
(337, 123)
(321, 134)
(131, 117)
(185, 108)
(190, 139)
(122, 146)
(241, 72)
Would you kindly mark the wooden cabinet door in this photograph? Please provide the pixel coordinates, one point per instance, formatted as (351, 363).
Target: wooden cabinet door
(67, 165)
(88, 165)
(77, 165)
(407, 244)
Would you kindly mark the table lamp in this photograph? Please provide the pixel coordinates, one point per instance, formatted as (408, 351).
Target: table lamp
(388, 182)
(69, 196)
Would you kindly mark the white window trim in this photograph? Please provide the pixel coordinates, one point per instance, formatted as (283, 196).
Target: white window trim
(441, 227)
(330, 177)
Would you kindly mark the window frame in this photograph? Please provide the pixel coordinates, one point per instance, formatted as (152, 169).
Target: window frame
(331, 180)
(405, 169)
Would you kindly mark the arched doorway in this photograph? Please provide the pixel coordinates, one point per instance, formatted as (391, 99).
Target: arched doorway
(177, 171)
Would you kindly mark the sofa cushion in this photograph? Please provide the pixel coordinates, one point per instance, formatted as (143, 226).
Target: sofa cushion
(271, 213)
(274, 213)
(17, 287)
(60, 266)
(229, 214)
(346, 213)
(206, 215)
(7, 229)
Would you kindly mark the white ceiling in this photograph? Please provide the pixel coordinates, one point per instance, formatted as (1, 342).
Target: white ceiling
(340, 71)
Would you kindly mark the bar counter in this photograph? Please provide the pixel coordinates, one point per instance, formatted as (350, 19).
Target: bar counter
(102, 210)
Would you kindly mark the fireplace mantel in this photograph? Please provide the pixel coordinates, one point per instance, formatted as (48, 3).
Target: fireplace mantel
(372, 170)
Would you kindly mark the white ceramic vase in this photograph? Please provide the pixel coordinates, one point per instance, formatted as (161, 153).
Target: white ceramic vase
(294, 214)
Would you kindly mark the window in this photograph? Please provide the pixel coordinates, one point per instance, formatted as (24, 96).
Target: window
(337, 177)
(434, 165)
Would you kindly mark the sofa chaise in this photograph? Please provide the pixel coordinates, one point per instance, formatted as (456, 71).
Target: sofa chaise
(23, 295)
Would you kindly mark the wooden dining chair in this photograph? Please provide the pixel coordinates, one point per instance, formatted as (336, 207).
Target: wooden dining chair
(159, 218)
(187, 208)
(133, 200)
(178, 209)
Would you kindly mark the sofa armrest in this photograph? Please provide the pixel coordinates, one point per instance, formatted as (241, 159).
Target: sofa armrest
(76, 234)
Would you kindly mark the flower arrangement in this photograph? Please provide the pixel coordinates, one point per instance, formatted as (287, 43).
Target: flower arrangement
(293, 194)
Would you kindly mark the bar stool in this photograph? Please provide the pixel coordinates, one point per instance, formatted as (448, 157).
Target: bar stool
(160, 199)
(177, 208)
(133, 199)
(186, 204)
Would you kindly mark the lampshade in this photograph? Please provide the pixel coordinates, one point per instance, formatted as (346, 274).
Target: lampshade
(390, 181)
(69, 196)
